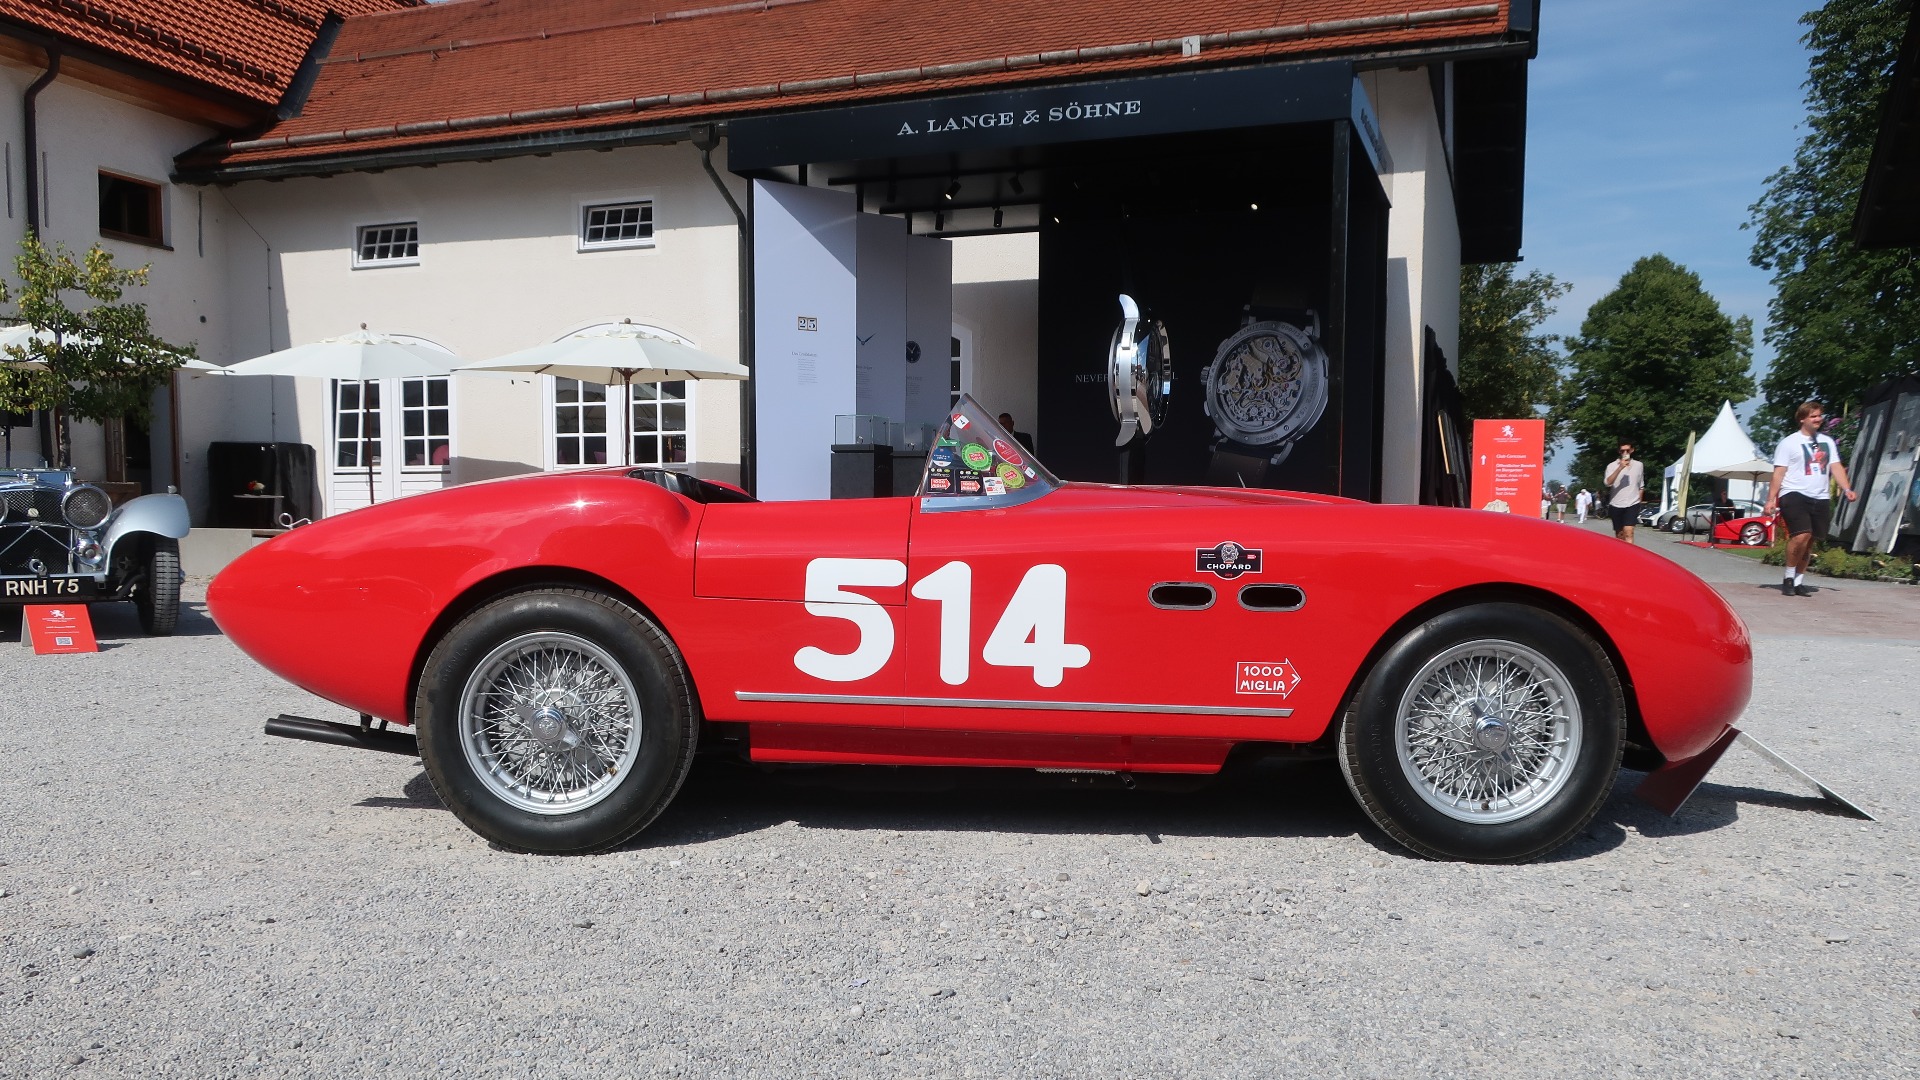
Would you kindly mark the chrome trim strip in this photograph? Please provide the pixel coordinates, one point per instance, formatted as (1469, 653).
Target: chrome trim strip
(994, 703)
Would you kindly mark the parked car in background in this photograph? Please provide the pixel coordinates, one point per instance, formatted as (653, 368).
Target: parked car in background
(64, 542)
(1700, 516)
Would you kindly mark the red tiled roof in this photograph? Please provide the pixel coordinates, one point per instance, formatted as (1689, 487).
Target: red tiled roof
(247, 47)
(473, 69)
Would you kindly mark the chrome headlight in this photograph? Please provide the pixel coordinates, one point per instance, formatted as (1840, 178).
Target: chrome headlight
(85, 507)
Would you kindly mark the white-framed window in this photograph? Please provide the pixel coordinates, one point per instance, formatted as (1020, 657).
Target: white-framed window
(357, 434)
(590, 424)
(426, 423)
(393, 244)
(579, 423)
(658, 413)
(616, 225)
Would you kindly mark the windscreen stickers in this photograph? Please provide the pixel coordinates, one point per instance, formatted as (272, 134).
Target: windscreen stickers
(1227, 560)
(1262, 677)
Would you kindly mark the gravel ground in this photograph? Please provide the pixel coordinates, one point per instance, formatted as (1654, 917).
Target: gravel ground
(181, 896)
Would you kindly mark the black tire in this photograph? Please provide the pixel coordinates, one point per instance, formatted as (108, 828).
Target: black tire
(1753, 534)
(156, 596)
(1581, 692)
(630, 661)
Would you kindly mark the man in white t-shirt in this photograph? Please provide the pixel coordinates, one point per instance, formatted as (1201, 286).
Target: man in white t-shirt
(1626, 486)
(1805, 467)
(1583, 502)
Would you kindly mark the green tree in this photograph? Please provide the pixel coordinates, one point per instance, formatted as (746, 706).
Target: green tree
(97, 359)
(1842, 319)
(1508, 369)
(1653, 361)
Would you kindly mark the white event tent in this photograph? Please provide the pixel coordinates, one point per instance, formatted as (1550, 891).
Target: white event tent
(1724, 444)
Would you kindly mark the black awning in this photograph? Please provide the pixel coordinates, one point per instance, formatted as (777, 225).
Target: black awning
(1889, 213)
(1490, 156)
(1038, 115)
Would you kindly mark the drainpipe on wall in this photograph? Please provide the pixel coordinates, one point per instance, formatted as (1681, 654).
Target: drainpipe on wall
(705, 138)
(33, 138)
(49, 419)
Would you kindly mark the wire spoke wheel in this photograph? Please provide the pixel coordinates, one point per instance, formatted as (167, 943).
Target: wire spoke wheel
(1488, 731)
(550, 722)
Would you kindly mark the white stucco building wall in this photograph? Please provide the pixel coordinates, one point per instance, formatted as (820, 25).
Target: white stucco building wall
(84, 130)
(1423, 265)
(499, 269)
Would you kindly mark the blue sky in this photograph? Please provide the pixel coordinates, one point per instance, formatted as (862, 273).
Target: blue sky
(1651, 127)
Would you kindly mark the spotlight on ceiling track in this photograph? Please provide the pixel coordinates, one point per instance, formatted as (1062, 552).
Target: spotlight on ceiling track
(1253, 206)
(952, 190)
(996, 217)
(1013, 183)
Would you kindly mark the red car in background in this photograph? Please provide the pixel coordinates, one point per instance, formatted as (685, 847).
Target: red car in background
(560, 644)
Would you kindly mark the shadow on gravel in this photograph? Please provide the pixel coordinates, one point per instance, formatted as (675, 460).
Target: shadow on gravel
(117, 624)
(1257, 799)
(1269, 799)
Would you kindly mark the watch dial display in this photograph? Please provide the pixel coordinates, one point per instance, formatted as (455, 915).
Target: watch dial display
(1259, 383)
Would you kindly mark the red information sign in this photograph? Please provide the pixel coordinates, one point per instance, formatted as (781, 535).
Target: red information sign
(1509, 458)
(59, 628)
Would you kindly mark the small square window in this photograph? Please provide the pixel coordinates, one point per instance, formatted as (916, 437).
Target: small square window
(131, 210)
(388, 245)
(616, 225)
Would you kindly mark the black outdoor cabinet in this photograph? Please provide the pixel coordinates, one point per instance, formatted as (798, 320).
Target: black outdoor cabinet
(254, 483)
(861, 471)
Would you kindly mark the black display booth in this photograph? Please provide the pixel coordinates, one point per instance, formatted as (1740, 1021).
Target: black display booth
(1212, 198)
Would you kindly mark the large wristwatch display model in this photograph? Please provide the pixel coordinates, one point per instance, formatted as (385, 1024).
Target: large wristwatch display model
(1266, 387)
(1139, 373)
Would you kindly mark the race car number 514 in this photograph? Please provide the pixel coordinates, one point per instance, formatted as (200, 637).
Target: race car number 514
(1031, 633)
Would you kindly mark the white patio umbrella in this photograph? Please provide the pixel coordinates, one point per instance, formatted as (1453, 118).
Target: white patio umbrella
(361, 356)
(616, 354)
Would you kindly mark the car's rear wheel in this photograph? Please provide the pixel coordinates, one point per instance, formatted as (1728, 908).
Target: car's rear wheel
(557, 721)
(1489, 733)
(1753, 534)
(156, 596)
(1677, 525)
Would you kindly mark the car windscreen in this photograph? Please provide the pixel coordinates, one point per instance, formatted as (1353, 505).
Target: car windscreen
(975, 463)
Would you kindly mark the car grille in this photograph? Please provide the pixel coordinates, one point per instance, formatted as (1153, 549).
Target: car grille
(20, 544)
(45, 500)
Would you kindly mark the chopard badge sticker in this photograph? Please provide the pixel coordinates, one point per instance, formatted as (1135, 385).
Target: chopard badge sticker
(1010, 476)
(975, 457)
(1258, 677)
(1007, 453)
(1227, 560)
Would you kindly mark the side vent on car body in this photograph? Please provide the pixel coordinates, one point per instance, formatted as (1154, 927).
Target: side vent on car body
(1181, 596)
(1272, 597)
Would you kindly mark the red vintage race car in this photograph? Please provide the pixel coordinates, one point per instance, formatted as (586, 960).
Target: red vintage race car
(560, 643)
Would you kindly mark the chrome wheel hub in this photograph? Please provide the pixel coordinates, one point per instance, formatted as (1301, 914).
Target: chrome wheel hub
(1488, 731)
(550, 722)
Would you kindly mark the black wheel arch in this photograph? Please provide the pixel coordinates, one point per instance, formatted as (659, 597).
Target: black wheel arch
(1640, 751)
(518, 580)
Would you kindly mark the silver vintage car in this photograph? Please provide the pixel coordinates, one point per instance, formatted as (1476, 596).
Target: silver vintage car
(62, 542)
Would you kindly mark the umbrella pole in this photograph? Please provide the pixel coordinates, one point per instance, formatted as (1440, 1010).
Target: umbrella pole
(365, 444)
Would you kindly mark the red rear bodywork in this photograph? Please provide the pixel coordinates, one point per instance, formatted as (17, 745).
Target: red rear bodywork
(349, 607)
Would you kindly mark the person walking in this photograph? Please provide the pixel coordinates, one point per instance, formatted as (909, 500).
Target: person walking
(1805, 467)
(1582, 503)
(1626, 485)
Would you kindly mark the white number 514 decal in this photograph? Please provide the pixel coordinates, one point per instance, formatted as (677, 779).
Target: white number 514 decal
(1031, 633)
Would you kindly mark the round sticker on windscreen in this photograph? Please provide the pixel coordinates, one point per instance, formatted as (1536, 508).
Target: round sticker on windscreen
(1010, 475)
(975, 457)
(1007, 453)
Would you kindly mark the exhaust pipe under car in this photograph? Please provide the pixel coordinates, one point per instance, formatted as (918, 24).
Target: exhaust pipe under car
(366, 736)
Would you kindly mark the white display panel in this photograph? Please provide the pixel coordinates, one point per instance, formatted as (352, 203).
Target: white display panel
(805, 250)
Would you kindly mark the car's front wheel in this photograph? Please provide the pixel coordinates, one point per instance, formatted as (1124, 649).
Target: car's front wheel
(1489, 733)
(1753, 534)
(557, 721)
(156, 595)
